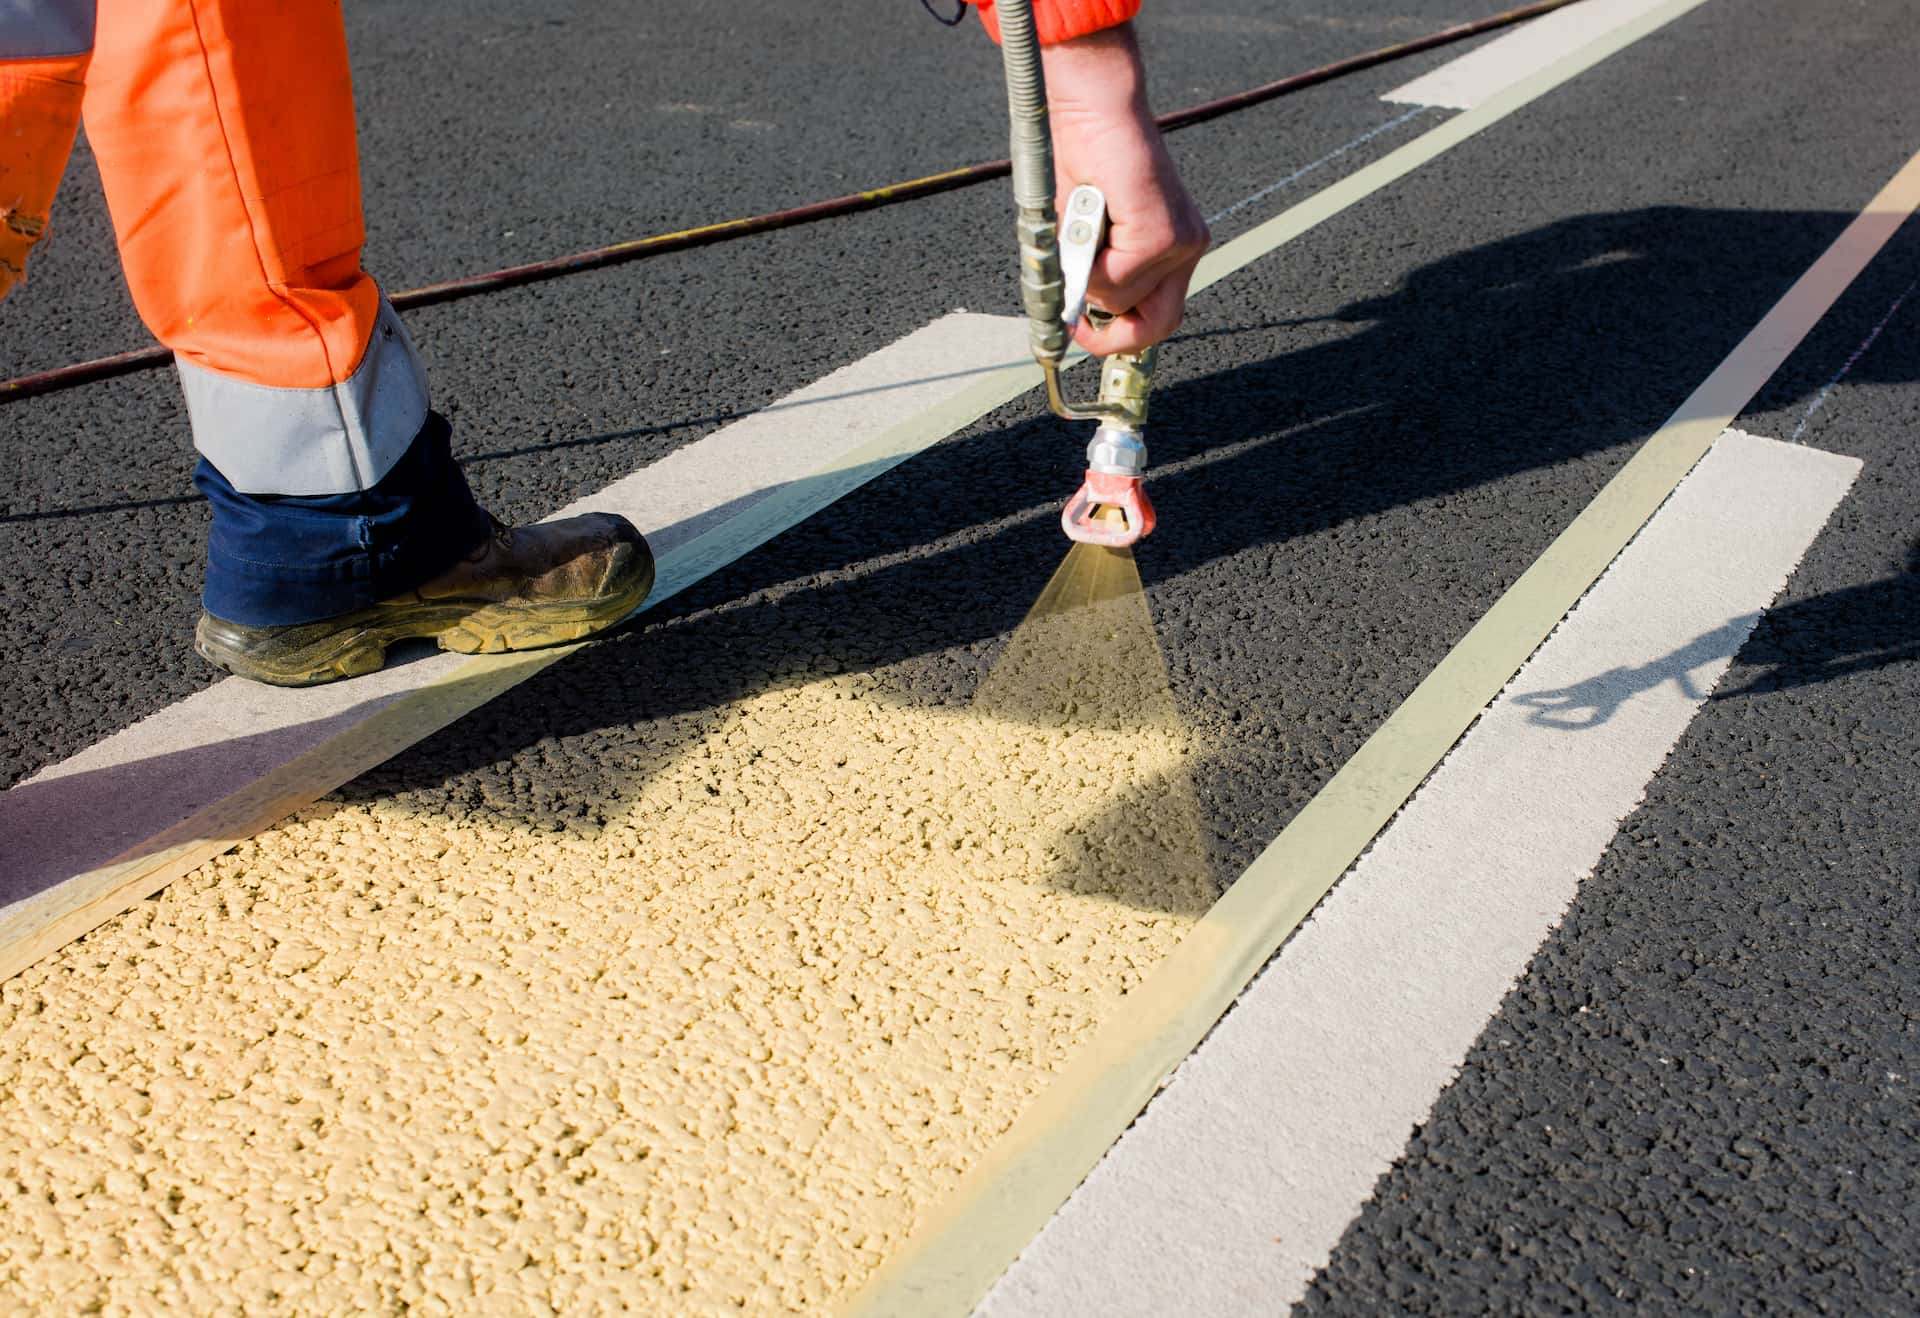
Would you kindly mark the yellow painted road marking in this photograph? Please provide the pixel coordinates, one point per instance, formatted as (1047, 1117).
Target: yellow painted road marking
(671, 1018)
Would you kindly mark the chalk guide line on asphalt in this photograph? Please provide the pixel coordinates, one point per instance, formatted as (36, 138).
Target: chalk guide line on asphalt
(1234, 1186)
(1314, 166)
(1846, 367)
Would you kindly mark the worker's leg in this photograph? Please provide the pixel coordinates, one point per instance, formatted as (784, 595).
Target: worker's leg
(43, 59)
(225, 135)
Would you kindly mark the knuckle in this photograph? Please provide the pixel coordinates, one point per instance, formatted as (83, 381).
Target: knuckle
(1160, 235)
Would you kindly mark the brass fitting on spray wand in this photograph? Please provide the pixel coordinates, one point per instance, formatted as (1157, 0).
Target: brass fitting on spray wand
(1110, 507)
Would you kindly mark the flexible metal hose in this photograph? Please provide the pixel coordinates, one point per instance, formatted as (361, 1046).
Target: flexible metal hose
(1031, 151)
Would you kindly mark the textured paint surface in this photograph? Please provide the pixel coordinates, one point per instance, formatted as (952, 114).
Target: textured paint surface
(1304, 582)
(709, 1037)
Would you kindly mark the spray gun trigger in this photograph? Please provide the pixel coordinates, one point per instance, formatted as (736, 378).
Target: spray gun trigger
(1082, 230)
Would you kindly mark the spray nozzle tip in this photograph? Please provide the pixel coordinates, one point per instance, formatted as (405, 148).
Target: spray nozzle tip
(1109, 510)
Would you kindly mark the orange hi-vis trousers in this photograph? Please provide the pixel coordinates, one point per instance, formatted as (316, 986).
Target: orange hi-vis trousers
(224, 132)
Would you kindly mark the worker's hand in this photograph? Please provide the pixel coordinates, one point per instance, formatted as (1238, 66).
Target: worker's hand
(1104, 134)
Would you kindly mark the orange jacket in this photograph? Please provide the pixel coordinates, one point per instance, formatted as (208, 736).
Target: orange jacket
(1063, 20)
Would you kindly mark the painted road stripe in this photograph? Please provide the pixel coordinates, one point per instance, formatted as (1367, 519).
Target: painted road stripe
(1232, 1190)
(1479, 75)
(695, 489)
(297, 746)
(1004, 1200)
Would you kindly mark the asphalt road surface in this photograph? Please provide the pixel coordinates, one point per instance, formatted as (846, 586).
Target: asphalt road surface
(1702, 1094)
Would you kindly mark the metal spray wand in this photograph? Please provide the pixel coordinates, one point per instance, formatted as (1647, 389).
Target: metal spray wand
(1054, 271)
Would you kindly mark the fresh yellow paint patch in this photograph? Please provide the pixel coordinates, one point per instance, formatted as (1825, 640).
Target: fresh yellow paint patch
(719, 1050)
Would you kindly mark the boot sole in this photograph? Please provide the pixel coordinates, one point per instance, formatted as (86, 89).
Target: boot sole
(357, 644)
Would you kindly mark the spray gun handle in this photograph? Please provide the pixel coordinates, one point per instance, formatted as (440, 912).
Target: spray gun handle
(1124, 377)
(1083, 234)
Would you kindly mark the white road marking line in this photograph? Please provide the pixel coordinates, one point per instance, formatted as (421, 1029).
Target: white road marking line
(1463, 83)
(695, 488)
(1327, 159)
(1820, 399)
(1231, 1191)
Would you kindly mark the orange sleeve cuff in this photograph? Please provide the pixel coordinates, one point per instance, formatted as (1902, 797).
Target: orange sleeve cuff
(1063, 20)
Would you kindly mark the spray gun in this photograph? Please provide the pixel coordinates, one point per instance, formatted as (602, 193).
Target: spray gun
(1110, 507)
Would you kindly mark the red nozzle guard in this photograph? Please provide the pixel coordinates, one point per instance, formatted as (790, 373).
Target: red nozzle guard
(1104, 490)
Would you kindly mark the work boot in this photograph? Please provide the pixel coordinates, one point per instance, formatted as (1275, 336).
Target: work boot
(523, 588)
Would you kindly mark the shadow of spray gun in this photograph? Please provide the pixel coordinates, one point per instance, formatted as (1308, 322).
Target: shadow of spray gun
(1595, 700)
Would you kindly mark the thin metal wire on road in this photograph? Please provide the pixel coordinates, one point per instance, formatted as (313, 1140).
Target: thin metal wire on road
(144, 359)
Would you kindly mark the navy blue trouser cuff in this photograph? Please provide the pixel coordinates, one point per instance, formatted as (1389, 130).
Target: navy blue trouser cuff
(274, 560)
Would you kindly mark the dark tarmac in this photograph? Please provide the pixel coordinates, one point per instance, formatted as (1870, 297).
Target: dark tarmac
(1702, 1096)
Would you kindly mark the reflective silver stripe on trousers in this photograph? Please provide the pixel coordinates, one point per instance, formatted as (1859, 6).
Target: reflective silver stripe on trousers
(39, 29)
(331, 440)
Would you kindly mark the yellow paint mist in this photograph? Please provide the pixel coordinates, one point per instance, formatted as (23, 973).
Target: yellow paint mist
(1087, 661)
